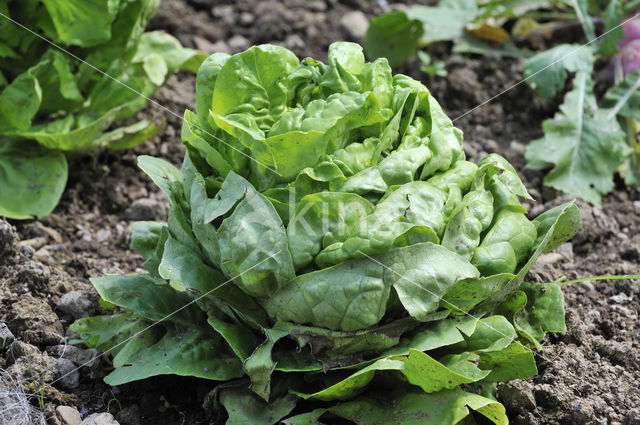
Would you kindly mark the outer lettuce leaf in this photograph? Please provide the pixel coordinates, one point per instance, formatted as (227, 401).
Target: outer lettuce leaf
(32, 179)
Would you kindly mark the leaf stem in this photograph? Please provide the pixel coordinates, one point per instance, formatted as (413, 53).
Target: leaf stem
(610, 277)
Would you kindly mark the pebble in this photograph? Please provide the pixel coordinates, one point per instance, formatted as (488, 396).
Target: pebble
(75, 303)
(19, 349)
(7, 236)
(238, 43)
(68, 415)
(103, 235)
(6, 337)
(355, 24)
(34, 366)
(142, 209)
(549, 259)
(246, 19)
(100, 419)
(620, 298)
(130, 415)
(69, 376)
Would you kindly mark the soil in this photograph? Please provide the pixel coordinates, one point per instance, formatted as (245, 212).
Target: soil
(590, 375)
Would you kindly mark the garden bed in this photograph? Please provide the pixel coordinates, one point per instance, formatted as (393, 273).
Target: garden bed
(589, 375)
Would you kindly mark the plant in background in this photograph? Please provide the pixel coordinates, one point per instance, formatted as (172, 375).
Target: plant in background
(430, 67)
(589, 140)
(330, 253)
(472, 26)
(52, 103)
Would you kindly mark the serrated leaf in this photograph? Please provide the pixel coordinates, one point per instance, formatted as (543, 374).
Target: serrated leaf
(583, 144)
(546, 72)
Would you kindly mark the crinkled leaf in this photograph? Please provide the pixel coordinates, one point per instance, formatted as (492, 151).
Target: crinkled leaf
(82, 22)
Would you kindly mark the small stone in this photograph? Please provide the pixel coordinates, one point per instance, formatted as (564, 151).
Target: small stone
(100, 419)
(143, 209)
(34, 368)
(601, 421)
(620, 298)
(293, 41)
(33, 320)
(75, 303)
(130, 415)
(6, 337)
(549, 259)
(201, 44)
(238, 43)
(7, 237)
(566, 250)
(68, 415)
(27, 251)
(355, 24)
(103, 235)
(19, 349)
(246, 19)
(68, 374)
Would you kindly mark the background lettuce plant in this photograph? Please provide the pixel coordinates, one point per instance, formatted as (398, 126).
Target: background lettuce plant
(330, 253)
(52, 104)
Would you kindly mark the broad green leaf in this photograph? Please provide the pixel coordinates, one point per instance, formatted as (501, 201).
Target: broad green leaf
(106, 332)
(167, 177)
(447, 407)
(468, 293)
(514, 362)
(251, 82)
(421, 274)
(349, 296)
(432, 376)
(19, 102)
(32, 179)
(253, 246)
(546, 72)
(544, 311)
(243, 407)
(147, 297)
(445, 21)
(354, 384)
(185, 270)
(613, 31)
(145, 237)
(82, 22)
(583, 144)
(184, 351)
(624, 99)
(205, 84)
(393, 36)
